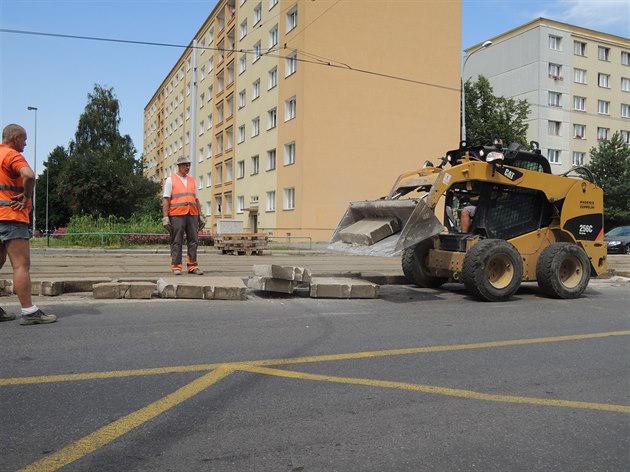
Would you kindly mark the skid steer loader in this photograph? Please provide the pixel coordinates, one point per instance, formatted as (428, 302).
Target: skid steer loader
(529, 224)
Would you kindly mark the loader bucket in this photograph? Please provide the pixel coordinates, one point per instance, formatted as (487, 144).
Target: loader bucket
(381, 227)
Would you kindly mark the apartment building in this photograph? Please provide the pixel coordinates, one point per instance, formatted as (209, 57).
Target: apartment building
(290, 109)
(576, 80)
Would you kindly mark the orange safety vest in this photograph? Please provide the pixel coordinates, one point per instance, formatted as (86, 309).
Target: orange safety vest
(11, 186)
(183, 198)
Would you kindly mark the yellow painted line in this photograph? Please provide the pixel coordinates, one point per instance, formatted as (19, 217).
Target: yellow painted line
(112, 431)
(451, 392)
(108, 375)
(307, 359)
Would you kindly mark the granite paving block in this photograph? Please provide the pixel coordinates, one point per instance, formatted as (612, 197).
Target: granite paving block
(204, 287)
(272, 285)
(109, 290)
(274, 271)
(368, 231)
(140, 290)
(339, 287)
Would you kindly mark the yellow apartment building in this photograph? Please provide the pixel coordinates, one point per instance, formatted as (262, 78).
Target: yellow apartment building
(290, 109)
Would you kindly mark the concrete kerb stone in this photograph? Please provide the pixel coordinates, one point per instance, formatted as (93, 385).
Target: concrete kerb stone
(204, 288)
(130, 290)
(339, 287)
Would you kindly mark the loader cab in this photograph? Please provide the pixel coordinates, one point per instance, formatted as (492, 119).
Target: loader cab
(501, 212)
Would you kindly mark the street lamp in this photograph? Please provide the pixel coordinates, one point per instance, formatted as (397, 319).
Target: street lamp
(483, 46)
(34, 169)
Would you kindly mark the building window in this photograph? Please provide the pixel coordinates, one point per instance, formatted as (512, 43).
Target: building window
(555, 99)
(202, 127)
(255, 127)
(272, 3)
(290, 107)
(625, 136)
(288, 202)
(625, 58)
(228, 170)
(229, 134)
(221, 51)
(241, 134)
(229, 103)
(242, 64)
(554, 156)
(271, 201)
(625, 110)
(579, 76)
(240, 204)
(579, 48)
(257, 51)
(257, 13)
(602, 133)
(555, 42)
(219, 144)
(603, 53)
(210, 64)
(210, 121)
(578, 158)
(218, 174)
(290, 64)
(255, 90)
(243, 29)
(208, 208)
(625, 84)
(253, 201)
(271, 118)
(292, 18)
(603, 107)
(273, 78)
(579, 131)
(209, 179)
(271, 159)
(255, 161)
(209, 151)
(220, 112)
(200, 154)
(289, 154)
(220, 82)
(200, 183)
(555, 71)
(579, 103)
(603, 80)
(553, 128)
(240, 169)
(242, 99)
(273, 37)
(219, 203)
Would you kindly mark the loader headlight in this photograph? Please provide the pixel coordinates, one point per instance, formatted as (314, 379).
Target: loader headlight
(495, 157)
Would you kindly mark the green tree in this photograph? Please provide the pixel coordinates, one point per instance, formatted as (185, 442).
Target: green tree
(58, 210)
(101, 175)
(610, 165)
(489, 117)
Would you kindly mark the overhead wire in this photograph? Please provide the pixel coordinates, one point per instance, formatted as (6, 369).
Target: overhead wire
(317, 60)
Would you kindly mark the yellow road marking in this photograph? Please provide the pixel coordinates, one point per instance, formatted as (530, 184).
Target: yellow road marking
(112, 431)
(304, 360)
(452, 392)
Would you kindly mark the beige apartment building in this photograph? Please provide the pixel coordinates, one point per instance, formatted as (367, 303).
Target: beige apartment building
(290, 109)
(576, 80)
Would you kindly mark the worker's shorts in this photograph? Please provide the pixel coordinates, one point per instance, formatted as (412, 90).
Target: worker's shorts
(13, 230)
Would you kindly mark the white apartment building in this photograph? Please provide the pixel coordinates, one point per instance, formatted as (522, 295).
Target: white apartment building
(577, 82)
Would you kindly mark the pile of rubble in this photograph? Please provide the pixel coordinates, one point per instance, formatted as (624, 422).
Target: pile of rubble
(266, 278)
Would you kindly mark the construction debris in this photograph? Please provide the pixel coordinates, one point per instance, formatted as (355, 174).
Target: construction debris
(369, 231)
(276, 278)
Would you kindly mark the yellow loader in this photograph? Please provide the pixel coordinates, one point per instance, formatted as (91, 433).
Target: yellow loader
(528, 224)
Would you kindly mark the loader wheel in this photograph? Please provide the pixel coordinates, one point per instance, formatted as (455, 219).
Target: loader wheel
(563, 270)
(414, 266)
(492, 270)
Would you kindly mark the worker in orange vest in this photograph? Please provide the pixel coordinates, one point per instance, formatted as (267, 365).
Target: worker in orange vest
(181, 213)
(16, 188)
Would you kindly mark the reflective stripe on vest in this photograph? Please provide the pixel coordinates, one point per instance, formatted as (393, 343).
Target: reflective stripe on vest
(184, 198)
(10, 187)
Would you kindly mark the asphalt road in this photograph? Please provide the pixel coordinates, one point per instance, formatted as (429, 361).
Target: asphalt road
(418, 380)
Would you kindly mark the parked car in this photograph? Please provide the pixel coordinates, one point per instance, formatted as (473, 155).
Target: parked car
(618, 240)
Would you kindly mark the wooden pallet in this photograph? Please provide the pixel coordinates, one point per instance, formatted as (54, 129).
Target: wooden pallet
(241, 244)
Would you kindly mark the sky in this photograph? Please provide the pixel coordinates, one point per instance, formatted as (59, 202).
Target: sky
(55, 74)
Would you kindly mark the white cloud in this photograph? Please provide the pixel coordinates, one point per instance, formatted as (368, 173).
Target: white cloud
(608, 16)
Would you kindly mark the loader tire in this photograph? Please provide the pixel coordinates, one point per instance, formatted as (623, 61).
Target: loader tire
(492, 270)
(563, 270)
(414, 266)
